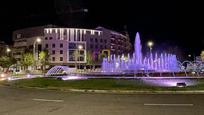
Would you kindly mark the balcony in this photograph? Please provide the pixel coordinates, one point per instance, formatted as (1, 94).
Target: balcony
(20, 44)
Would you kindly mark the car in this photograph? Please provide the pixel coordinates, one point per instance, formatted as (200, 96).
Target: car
(181, 84)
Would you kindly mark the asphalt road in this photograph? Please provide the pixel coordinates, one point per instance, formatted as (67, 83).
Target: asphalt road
(42, 102)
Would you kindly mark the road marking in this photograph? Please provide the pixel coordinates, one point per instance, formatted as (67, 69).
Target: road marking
(167, 104)
(47, 100)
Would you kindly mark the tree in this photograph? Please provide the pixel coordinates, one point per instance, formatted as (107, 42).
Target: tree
(27, 60)
(202, 55)
(90, 59)
(6, 62)
(44, 59)
(101, 56)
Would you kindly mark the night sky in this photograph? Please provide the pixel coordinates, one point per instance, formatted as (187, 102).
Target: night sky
(168, 24)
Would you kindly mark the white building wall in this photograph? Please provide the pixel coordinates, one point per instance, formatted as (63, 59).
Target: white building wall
(65, 36)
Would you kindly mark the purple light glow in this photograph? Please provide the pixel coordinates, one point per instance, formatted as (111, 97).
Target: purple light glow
(159, 63)
(168, 82)
(72, 77)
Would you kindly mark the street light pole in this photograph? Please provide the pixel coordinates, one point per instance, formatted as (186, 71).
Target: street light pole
(38, 40)
(150, 44)
(79, 48)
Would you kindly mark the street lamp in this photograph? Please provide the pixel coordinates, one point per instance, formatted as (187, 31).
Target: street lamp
(150, 44)
(38, 40)
(80, 47)
(8, 50)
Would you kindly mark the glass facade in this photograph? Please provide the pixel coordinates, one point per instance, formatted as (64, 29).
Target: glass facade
(76, 52)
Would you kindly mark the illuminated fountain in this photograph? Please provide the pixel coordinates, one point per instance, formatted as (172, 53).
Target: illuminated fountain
(154, 62)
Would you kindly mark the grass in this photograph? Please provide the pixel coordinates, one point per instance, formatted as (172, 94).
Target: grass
(99, 84)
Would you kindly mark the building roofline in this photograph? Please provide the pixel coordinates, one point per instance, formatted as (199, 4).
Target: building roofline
(113, 31)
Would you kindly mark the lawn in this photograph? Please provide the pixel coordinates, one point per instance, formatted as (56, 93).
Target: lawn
(99, 84)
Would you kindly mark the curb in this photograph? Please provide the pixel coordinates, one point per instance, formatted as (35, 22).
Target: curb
(135, 92)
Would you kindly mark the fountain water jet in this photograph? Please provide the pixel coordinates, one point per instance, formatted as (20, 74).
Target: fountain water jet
(163, 63)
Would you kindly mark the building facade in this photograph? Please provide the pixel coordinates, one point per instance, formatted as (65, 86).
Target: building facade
(3, 47)
(24, 40)
(69, 46)
(119, 43)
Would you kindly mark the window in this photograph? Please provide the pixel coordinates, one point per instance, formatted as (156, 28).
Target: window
(101, 40)
(82, 37)
(91, 39)
(105, 41)
(72, 55)
(61, 45)
(45, 38)
(69, 35)
(18, 36)
(96, 40)
(72, 46)
(74, 35)
(53, 58)
(65, 33)
(61, 51)
(53, 45)
(105, 47)
(91, 46)
(50, 38)
(78, 35)
(46, 45)
(96, 46)
(101, 46)
(53, 51)
(61, 58)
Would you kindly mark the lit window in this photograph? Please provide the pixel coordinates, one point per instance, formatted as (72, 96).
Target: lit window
(18, 35)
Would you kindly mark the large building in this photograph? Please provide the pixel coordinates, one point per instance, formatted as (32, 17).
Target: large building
(68, 46)
(3, 47)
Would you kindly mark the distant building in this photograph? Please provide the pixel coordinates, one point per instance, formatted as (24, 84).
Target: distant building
(3, 47)
(118, 42)
(24, 39)
(63, 43)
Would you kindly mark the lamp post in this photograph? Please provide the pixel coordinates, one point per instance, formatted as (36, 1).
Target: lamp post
(150, 44)
(38, 40)
(79, 48)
